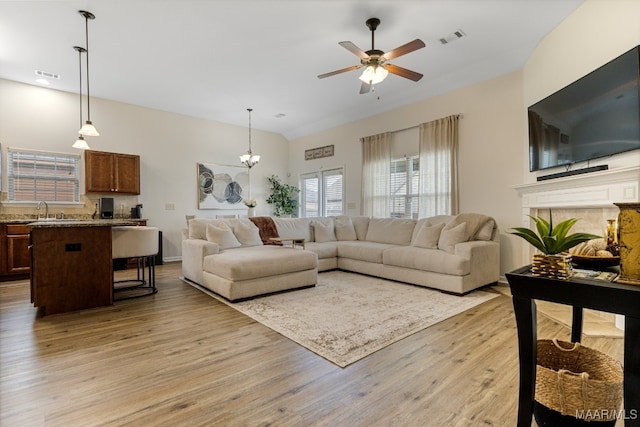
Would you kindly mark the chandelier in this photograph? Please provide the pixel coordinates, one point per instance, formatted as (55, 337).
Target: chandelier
(249, 159)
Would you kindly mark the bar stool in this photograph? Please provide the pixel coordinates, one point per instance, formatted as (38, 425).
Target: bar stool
(141, 243)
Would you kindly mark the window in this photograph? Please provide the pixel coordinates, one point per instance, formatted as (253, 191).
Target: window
(404, 182)
(35, 176)
(322, 193)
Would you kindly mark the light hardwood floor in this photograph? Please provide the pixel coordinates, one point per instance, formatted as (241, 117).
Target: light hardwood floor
(181, 358)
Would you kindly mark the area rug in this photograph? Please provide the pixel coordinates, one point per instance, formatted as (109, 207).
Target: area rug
(348, 316)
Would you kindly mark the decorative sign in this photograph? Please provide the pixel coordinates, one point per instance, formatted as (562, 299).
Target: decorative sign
(317, 153)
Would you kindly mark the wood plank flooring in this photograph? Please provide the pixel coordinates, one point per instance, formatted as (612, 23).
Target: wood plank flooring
(181, 358)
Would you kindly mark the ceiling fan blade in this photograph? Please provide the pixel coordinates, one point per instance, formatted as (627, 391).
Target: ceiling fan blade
(403, 72)
(344, 70)
(354, 49)
(404, 49)
(365, 88)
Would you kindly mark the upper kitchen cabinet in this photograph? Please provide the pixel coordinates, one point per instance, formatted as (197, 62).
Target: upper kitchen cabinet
(112, 172)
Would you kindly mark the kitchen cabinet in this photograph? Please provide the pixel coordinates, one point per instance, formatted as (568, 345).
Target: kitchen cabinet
(112, 172)
(15, 262)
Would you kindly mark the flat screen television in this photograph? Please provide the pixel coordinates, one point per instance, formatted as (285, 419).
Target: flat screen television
(594, 117)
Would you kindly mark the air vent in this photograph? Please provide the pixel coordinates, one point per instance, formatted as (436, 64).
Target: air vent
(453, 36)
(47, 75)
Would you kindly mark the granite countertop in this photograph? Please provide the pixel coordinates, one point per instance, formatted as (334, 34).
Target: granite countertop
(50, 223)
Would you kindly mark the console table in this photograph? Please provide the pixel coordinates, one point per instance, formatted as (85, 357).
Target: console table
(579, 293)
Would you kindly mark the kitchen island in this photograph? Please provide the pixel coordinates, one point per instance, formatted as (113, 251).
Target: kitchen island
(71, 265)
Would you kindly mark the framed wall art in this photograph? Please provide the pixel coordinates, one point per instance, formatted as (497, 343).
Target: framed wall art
(221, 186)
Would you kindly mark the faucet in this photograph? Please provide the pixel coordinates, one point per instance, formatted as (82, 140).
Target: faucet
(46, 210)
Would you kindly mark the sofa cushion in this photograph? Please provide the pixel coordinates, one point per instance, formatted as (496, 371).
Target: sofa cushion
(323, 250)
(323, 230)
(294, 228)
(428, 236)
(363, 251)
(259, 261)
(344, 228)
(222, 235)
(486, 231)
(360, 225)
(390, 230)
(450, 237)
(433, 260)
(198, 226)
(476, 224)
(437, 219)
(247, 233)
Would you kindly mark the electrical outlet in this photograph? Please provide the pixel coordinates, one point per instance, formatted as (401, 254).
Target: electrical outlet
(169, 207)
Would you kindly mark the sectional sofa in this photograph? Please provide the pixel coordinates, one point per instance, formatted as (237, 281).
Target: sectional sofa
(455, 254)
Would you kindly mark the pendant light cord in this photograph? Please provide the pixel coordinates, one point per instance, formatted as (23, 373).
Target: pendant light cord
(250, 110)
(86, 30)
(79, 49)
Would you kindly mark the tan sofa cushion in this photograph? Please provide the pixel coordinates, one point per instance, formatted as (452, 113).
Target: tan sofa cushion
(433, 260)
(259, 261)
(450, 237)
(247, 233)
(323, 230)
(438, 219)
(294, 228)
(360, 225)
(428, 236)
(391, 230)
(222, 236)
(344, 228)
(323, 250)
(363, 251)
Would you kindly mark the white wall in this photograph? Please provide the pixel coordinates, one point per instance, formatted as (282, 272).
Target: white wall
(169, 146)
(491, 135)
(597, 32)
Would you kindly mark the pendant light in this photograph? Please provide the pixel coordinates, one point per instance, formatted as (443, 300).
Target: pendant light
(80, 143)
(249, 159)
(88, 129)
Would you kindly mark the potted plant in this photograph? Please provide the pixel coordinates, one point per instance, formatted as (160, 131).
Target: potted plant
(553, 242)
(283, 197)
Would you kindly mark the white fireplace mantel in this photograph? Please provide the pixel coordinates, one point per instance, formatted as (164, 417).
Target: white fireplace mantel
(590, 190)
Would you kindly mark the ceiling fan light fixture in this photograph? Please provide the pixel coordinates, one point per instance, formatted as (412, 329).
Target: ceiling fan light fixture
(374, 74)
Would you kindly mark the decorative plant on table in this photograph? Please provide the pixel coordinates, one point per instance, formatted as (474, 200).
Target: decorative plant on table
(283, 197)
(553, 242)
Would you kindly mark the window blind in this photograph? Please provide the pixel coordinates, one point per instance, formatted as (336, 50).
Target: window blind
(35, 176)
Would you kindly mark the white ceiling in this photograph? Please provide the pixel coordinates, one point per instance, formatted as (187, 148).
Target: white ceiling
(215, 58)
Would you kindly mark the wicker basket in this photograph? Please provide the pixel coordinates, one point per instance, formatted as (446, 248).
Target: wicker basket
(578, 381)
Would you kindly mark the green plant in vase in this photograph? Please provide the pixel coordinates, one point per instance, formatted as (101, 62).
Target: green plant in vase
(283, 196)
(553, 242)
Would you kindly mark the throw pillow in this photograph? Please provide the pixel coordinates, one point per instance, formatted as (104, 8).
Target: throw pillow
(428, 236)
(222, 235)
(486, 231)
(344, 229)
(247, 233)
(324, 232)
(449, 238)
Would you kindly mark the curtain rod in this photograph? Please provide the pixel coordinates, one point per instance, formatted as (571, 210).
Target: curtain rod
(459, 116)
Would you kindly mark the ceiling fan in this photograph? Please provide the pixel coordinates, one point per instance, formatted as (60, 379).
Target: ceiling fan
(375, 61)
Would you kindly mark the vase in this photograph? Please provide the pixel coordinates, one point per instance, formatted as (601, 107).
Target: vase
(629, 242)
(250, 213)
(556, 266)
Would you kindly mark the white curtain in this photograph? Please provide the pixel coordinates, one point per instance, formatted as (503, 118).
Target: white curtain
(376, 173)
(438, 167)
